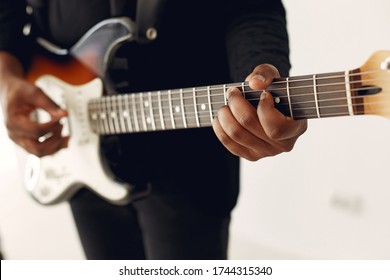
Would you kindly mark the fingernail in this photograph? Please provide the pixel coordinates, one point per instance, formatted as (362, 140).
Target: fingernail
(263, 95)
(259, 77)
(229, 92)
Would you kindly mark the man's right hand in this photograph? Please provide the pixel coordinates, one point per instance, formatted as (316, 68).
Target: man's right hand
(20, 99)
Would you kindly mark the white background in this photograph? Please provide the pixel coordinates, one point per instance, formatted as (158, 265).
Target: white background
(327, 199)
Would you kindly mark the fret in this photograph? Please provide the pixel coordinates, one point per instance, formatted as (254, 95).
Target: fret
(121, 114)
(141, 105)
(133, 105)
(224, 94)
(348, 93)
(99, 119)
(209, 100)
(190, 114)
(332, 94)
(182, 108)
(316, 97)
(155, 111)
(289, 97)
(160, 110)
(127, 114)
(114, 113)
(201, 101)
(171, 109)
(151, 111)
(109, 115)
(177, 108)
(357, 101)
(278, 89)
(106, 118)
(103, 116)
(243, 89)
(165, 113)
(218, 99)
(252, 96)
(195, 107)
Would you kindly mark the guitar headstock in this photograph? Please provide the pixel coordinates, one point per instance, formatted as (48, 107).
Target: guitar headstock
(376, 73)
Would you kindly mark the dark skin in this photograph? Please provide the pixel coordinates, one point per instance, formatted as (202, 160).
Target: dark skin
(255, 133)
(19, 98)
(248, 132)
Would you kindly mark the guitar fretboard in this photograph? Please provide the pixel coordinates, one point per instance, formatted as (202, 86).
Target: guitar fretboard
(302, 97)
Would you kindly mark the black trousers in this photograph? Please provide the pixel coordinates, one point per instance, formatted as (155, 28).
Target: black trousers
(186, 215)
(156, 227)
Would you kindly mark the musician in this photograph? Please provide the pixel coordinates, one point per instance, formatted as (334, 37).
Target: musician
(193, 173)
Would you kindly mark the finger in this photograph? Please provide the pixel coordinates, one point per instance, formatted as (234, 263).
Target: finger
(42, 148)
(41, 100)
(231, 145)
(25, 127)
(244, 113)
(262, 76)
(255, 147)
(275, 124)
(262, 150)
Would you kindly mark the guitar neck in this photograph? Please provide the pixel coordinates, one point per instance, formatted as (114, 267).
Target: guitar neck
(300, 97)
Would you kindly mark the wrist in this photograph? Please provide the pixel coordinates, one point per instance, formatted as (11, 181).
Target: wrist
(10, 67)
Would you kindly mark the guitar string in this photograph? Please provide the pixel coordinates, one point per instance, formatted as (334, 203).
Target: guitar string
(205, 112)
(340, 74)
(214, 111)
(113, 98)
(290, 81)
(102, 99)
(324, 85)
(112, 130)
(118, 105)
(190, 92)
(108, 128)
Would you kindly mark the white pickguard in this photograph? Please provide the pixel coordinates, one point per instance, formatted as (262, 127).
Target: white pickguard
(55, 178)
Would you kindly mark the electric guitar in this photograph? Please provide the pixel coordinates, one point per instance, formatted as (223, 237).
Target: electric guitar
(75, 82)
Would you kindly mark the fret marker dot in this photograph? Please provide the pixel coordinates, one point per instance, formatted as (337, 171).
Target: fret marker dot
(203, 107)
(148, 120)
(277, 100)
(177, 109)
(125, 113)
(102, 116)
(146, 103)
(113, 115)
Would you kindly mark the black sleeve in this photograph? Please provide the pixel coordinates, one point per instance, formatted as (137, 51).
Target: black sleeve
(257, 34)
(13, 17)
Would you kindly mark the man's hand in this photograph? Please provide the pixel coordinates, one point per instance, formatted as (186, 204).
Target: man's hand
(256, 133)
(40, 139)
(19, 99)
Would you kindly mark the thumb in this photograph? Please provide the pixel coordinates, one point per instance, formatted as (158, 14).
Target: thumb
(262, 76)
